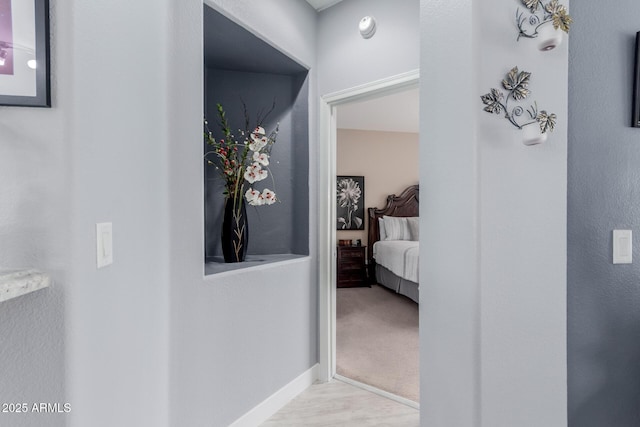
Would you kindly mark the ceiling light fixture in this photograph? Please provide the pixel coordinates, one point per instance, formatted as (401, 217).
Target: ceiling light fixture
(367, 27)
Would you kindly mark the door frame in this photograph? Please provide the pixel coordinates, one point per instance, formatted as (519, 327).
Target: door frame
(327, 205)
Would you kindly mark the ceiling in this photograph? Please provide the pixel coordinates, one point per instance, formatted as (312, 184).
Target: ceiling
(398, 112)
(322, 4)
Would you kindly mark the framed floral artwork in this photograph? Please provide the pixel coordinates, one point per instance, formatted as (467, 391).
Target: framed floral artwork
(350, 202)
(24, 53)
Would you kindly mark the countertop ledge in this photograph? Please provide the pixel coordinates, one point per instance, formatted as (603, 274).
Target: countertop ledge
(14, 283)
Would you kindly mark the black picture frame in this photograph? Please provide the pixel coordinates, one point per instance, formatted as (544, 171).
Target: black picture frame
(350, 202)
(636, 85)
(23, 86)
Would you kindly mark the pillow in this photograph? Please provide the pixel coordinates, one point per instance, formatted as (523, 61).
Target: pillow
(381, 230)
(396, 228)
(414, 227)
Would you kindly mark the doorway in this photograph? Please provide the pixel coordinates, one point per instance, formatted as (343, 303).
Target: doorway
(327, 205)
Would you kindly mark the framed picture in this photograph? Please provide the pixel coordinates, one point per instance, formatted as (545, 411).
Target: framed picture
(636, 84)
(24, 53)
(350, 202)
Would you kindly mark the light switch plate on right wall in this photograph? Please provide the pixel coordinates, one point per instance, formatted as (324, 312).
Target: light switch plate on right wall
(622, 246)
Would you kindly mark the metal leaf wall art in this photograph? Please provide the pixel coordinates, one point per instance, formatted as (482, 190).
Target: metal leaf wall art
(543, 21)
(516, 83)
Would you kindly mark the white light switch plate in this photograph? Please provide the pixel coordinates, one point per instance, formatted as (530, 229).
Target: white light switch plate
(622, 246)
(104, 244)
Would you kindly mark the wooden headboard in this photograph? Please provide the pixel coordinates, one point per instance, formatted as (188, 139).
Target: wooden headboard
(406, 204)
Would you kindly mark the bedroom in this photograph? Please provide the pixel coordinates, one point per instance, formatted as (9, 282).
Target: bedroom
(377, 146)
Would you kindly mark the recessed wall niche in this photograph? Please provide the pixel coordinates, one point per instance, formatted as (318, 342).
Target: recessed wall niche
(242, 68)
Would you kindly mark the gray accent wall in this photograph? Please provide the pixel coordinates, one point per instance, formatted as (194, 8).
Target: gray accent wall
(271, 228)
(604, 188)
(257, 76)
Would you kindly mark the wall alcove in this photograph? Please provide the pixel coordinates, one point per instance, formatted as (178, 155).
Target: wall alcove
(242, 68)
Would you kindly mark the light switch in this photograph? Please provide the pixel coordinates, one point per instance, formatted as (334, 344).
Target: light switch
(104, 244)
(622, 246)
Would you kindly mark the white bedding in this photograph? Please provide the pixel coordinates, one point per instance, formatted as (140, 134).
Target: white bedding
(399, 256)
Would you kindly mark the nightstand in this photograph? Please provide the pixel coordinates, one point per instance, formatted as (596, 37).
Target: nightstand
(351, 267)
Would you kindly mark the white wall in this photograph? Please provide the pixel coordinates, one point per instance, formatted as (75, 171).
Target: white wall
(523, 214)
(96, 339)
(34, 231)
(449, 256)
(117, 317)
(120, 145)
(493, 317)
(237, 338)
(346, 60)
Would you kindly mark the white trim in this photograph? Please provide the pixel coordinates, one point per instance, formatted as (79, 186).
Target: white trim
(379, 392)
(326, 241)
(374, 89)
(327, 205)
(278, 400)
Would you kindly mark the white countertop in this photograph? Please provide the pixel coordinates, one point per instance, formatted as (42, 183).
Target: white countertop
(14, 283)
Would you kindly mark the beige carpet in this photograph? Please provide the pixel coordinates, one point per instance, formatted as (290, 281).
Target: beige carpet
(377, 339)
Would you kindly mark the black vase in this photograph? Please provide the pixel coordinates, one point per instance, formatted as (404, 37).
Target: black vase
(235, 230)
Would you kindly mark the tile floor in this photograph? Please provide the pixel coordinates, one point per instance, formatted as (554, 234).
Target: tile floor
(340, 404)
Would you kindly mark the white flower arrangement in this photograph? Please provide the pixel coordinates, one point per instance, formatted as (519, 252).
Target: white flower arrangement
(243, 161)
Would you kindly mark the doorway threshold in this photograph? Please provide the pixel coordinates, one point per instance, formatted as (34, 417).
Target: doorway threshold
(379, 392)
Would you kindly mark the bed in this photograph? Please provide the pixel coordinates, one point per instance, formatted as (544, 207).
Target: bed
(393, 247)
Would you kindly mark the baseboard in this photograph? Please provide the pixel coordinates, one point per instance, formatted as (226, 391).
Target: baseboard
(278, 400)
(378, 391)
